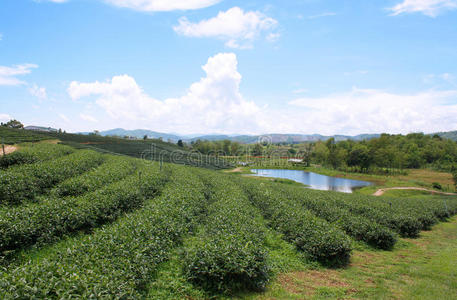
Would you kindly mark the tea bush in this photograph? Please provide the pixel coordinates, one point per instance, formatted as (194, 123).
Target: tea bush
(119, 260)
(314, 236)
(54, 217)
(229, 252)
(28, 154)
(22, 183)
(113, 169)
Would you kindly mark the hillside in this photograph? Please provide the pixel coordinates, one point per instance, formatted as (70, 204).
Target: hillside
(82, 224)
(151, 149)
(244, 139)
(250, 139)
(452, 135)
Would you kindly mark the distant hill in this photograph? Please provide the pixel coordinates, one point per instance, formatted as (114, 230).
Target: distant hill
(140, 133)
(452, 135)
(250, 139)
(244, 139)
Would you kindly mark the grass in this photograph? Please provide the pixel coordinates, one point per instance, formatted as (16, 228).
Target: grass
(405, 193)
(416, 178)
(423, 268)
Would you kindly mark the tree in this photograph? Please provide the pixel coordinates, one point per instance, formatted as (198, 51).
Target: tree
(180, 143)
(258, 149)
(145, 137)
(308, 151)
(454, 175)
(13, 124)
(360, 156)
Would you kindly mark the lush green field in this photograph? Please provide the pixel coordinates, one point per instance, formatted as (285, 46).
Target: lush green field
(14, 136)
(83, 224)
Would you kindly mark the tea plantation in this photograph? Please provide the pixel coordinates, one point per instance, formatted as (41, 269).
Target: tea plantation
(77, 223)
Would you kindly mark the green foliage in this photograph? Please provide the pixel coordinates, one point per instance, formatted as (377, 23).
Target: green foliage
(34, 153)
(21, 183)
(314, 236)
(454, 176)
(125, 218)
(116, 261)
(53, 217)
(113, 169)
(15, 136)
(359, 227)
(228, 253)
(13, 124)
(437, 186)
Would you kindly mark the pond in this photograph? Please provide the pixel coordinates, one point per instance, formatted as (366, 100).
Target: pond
(313, 180)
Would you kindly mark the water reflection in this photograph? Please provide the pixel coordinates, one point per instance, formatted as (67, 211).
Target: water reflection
(313, 180)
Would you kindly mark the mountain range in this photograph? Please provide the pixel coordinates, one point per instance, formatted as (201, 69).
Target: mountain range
(248, 139)
(244, 139)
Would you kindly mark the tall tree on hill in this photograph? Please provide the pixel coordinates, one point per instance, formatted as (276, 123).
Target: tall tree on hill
(454, 175)
(13, 124)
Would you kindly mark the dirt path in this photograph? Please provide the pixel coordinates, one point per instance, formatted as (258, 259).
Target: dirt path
(234, 170)
(8, 149)
(381, 192)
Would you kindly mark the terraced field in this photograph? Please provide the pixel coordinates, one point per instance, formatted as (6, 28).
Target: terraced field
(82, 224)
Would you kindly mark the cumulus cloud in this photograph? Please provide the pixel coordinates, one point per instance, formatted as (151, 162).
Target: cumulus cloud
(213, 103)
(39, 92)
(162, 5)
(5, 117)
(362, 110)
(8, 75)
(88, 118)
(322, 15)
(430, 8)
(237, 28)
(64, 117)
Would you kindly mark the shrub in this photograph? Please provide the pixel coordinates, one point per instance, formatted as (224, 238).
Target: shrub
(25, 182)
(437, 186)
(34, 153)
(314, 236)
(116, 261)
(54, 217)
(229, 252)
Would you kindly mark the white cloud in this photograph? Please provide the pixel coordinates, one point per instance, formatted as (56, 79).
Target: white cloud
(213, 103)
(39, 92)
(8, 74)
(88, 118)
(163, 5)
(5, 117)
(326, 14)
(430, 8)
(358, 72)
(1, 36)
(64, 117)
(364, 110)
(300, 91)
(237, 28)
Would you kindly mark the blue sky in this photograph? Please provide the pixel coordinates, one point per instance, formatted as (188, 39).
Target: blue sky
(220, 66)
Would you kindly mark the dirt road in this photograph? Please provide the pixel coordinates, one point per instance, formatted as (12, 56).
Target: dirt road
(381, 192)
(8, 149)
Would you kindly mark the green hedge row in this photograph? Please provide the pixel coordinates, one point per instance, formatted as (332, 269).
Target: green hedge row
(229, 252)
(25, 182)
(113, 169)
(28, 154)
(314, 236)
(116, 261)
(52, 218)
(359, 227)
